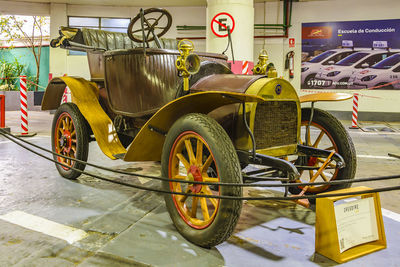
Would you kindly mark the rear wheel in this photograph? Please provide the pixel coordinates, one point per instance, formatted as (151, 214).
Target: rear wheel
(326, 132)
(198, 149)
(70, 137)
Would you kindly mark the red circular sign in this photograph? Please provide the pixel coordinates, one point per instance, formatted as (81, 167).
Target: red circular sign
(220, 24)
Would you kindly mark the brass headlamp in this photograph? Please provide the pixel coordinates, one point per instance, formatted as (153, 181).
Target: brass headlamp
(187, 63)
(263, 68)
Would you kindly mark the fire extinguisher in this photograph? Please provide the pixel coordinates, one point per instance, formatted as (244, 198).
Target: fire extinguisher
(289, 63)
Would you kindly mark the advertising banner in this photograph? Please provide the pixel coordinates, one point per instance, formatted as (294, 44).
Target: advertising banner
(351, 55)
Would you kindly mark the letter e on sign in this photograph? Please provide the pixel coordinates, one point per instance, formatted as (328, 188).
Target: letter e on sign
(291, 42)
(220, 24)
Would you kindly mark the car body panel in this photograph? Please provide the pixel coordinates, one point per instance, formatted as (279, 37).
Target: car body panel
(139, 84)
(148, 143)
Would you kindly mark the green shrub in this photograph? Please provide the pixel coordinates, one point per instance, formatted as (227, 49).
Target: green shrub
(9, 74)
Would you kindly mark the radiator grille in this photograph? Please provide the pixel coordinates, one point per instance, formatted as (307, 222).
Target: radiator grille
(275, 124)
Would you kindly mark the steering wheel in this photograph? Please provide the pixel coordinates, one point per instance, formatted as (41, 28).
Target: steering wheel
(152, 21)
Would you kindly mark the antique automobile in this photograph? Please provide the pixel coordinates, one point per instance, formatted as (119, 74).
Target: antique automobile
(154, 99)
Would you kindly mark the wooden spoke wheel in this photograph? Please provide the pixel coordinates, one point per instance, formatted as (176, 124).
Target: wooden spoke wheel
(70, 139)
(65, 137)
(187, 163)
(198, 149)
(326, 132)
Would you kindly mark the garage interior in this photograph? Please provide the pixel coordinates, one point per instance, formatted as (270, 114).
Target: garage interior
(115, 225)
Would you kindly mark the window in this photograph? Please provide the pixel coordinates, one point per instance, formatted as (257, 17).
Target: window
(388, 62)
(353, 58)
(340, 56)
(371, 60)
(397, 69)
(106, 24)
(322, 56)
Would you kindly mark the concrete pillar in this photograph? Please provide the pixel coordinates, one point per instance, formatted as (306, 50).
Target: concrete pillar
(242, 12)
(58, 57)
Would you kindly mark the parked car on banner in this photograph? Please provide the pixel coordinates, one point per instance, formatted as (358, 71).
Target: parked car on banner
(337, 76)
(383, 75)
(310, 68)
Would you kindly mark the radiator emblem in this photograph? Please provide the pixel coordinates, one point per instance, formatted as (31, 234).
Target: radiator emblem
(278, 89)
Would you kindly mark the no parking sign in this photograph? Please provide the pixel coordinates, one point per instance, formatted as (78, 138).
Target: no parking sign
(220, 24)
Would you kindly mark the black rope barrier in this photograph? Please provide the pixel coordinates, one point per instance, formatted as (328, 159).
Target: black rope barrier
(382, 189)
(2, 132)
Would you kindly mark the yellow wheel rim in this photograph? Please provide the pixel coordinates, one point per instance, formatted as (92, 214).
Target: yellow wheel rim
(192, 160)
(65, 139)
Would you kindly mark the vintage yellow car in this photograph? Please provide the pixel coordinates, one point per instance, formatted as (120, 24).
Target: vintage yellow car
(152, 99)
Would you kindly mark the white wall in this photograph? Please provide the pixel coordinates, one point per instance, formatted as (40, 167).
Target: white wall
(270, 13)
(22, 8)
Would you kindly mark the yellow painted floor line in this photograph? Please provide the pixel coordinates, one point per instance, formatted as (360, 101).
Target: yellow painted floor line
(39, 224)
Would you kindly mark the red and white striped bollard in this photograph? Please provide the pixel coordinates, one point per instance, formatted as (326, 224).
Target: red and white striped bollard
(245, 67)
(24, 105)
(354, 119)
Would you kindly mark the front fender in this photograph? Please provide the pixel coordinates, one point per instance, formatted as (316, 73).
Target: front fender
(85, 96)
(147, 145)
(324, 97)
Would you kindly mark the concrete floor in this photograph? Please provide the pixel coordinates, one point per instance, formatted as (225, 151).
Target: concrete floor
(124, 226)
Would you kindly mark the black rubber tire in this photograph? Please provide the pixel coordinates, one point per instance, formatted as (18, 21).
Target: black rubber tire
(228, 165)
(343, 141)
(307, 79)
(82, 129)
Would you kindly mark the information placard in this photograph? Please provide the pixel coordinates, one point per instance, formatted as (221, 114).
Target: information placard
(356, 223)
(348, 227)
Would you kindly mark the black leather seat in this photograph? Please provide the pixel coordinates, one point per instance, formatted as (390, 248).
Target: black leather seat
(118, 40)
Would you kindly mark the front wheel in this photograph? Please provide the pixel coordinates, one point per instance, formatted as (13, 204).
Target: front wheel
(70, 137)
(308, 82)
(198, 149)
(326, 132)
